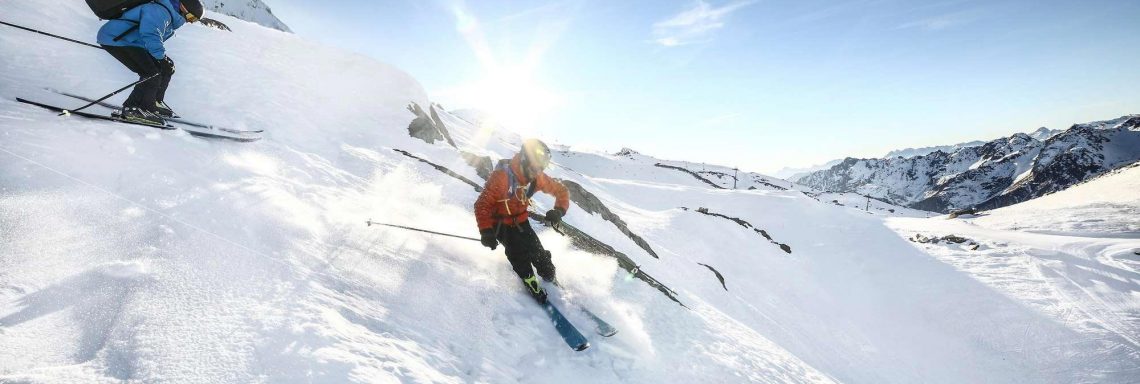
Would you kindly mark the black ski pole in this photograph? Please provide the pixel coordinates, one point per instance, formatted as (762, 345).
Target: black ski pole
(48, 34)
(371, 223)
(109, 95)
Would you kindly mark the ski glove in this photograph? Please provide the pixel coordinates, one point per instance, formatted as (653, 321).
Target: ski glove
(487, 237)
(554, 216)
(166, 65)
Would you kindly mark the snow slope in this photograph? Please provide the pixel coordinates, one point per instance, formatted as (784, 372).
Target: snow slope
(1108, 206)
(129, 254)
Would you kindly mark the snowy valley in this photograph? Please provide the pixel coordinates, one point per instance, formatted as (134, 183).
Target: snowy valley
(131, 254)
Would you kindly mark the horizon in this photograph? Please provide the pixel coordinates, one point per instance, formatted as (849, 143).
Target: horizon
(761, 82)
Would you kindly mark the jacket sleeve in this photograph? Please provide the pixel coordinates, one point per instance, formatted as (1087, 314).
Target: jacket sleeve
(552, 187)
(153, 22)
(493, 191)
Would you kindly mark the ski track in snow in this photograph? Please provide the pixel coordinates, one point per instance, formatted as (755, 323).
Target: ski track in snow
(130, 254)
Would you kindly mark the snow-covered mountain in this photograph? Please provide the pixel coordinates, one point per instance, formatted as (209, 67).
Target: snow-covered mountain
(998, 173)
(249, 10)
(1041, 134)
(912, 152)
(130, 254)
(793, 173)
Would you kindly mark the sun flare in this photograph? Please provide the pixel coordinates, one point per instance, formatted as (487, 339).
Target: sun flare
(512, 98)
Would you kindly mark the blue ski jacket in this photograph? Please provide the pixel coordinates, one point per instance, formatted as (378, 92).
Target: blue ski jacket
(156, 22)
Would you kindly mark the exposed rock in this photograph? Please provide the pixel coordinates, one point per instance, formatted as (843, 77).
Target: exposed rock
(428, 127)
(591, 204)
(694, 174)
(478, 188)
(626, 152)
(745, 224)
(482, 164)
(949, 239)
(718, 275)
(214, 24)
(963, 212)
(588, 243)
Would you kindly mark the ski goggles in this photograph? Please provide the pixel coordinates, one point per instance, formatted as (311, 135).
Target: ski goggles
(539, 158)
(190, 17)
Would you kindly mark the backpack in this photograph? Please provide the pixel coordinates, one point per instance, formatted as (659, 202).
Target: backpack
(113, 9)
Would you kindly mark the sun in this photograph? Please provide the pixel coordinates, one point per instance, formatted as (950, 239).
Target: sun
(513, 98)
(507, 88)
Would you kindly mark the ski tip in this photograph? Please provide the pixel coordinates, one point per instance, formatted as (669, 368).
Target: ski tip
(582, 347)
(607, 333)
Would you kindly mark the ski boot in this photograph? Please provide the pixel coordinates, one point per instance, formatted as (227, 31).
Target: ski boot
(546, 269)
(164, 111)
(138, 115)
(535, 290)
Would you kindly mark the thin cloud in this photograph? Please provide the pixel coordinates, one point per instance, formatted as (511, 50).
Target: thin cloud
(942, 22)
(695, 25)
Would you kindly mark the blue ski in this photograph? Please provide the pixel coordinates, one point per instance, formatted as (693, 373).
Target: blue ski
(569, 334)
(601, 326)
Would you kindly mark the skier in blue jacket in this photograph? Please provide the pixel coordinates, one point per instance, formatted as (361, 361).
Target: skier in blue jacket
(136, 40)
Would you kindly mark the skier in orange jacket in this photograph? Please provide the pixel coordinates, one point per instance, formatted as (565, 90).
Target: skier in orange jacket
(501, 213)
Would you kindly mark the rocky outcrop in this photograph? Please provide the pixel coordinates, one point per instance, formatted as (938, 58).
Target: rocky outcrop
(214, 24)
(482, 164)
(694, 174)
(592, 205)
(948, 239)
(745, 224)
(588, 243)
(478, 188)
(718, 275)
(427, 126)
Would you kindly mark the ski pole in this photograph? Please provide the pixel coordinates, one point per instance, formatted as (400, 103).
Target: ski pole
(109, 95)
(48, 34)
(371, 223)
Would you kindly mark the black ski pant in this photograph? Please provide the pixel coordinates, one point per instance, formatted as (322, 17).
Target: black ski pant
(523, 250)
(139, 61)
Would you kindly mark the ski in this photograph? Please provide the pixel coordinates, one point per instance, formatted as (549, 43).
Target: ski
(569, 333)
(178, 120)
(191, 131)
(600, 326)
(94, 116)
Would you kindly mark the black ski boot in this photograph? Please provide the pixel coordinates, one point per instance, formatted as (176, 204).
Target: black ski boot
(546, 268)
(139, 115)
(164, 111)
(535, 290)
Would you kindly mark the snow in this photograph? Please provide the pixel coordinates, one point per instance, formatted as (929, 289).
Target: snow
(1105, 206)
(130, 254)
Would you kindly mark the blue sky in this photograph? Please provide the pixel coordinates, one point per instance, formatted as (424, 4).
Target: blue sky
(756, 84)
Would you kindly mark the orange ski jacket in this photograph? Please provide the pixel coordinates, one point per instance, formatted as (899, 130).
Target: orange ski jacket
(499, 204)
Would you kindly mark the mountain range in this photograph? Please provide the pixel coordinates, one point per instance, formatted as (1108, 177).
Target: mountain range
(991, 175)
